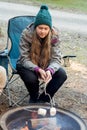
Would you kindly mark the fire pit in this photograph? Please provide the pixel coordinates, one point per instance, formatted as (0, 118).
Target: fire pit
(30, 118)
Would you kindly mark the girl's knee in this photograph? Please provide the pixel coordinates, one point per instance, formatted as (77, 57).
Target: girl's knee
(62, 73)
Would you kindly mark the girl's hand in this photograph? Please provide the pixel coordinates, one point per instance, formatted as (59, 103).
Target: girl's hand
(42, 74)
(48, 76)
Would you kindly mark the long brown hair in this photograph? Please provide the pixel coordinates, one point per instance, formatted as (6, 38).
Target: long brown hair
(41, 50)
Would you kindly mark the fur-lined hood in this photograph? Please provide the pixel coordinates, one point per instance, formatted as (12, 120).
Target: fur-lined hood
(3, 78)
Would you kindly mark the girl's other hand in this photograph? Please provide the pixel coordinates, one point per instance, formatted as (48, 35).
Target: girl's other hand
(42, 74)
(48, 76)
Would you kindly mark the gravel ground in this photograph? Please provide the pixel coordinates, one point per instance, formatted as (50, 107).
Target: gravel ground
(73, 94)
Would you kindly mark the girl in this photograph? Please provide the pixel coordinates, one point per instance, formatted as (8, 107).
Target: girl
(40, 57)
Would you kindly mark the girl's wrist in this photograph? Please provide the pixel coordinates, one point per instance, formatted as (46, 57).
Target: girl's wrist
(51, 70)
(36, 69)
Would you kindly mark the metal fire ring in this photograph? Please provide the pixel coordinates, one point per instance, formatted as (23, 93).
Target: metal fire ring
(65, 119)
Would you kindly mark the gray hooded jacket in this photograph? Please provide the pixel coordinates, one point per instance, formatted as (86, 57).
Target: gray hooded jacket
(25, 46)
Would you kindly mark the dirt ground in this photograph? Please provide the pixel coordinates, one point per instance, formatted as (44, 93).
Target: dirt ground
(73, 94)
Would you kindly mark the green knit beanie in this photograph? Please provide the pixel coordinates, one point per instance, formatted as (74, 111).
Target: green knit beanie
(43, 17)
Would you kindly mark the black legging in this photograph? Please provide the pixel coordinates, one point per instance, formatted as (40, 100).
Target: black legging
(31, 81)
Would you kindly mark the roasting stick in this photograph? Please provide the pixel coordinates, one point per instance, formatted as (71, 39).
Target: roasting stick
(19, 105)
(44, 85)
(41, 111)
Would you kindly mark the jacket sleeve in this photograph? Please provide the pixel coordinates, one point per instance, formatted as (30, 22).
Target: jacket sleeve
(25, 47)
(55, 61)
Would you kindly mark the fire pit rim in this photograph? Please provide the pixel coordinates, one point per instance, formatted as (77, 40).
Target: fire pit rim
(13, 110)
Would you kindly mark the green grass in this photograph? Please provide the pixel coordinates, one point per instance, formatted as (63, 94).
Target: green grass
(67, 4)
(75, 5)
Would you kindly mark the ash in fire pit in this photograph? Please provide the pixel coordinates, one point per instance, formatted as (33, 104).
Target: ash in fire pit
(41, 124)
(28, 118)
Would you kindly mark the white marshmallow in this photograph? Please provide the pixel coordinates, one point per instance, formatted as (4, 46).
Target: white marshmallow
(52, 111)
(42, 111)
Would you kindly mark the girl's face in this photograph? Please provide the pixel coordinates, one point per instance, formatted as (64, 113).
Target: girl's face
(42, 30)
